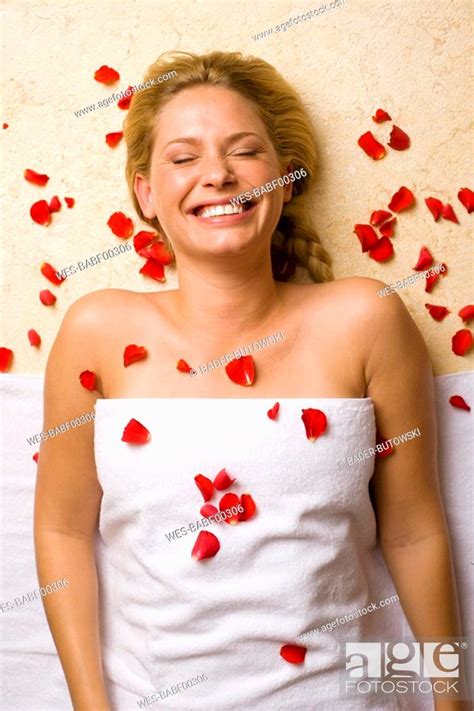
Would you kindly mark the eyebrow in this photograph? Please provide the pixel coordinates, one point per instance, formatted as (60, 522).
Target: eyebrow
(230, 139)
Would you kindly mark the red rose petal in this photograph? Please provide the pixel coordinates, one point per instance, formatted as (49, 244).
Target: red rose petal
(293, 653)
(54, 204)
(435, 206)
(154, 270)
(5, 125)
(143, 239)
(124, 102)
(401, 200)
(40, 213)
(379, 216)
(206, 546)
(386, 230)
(227, 502)
(69, 202)
(183, 367)
(437, 312)
(381, 116)
(466, 197)
(382, 251)
(399, 140)
(106, 75)
(367, 236)
(113, 139)
(249, 507)
(6, 357)
(120, 225)
(431, 280)
(46, 297)
(208, 510)
(50, 273)
(136, 433)
(458, 401)
(223, 480)
(36, 178)
(34, 338)
(273, 412)
(467, 313)
(157, 251)
(241, 370)
(380, 439)
(205, 486)
(425, 260)
(371, 146)
(133, 353)
(315, 422)
(462, 342)
(449, 214)
(88, 379)
(35, 457)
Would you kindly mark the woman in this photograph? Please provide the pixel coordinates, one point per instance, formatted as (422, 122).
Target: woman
(198, 146)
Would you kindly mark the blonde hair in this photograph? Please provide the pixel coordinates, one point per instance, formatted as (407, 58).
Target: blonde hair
(294, 241)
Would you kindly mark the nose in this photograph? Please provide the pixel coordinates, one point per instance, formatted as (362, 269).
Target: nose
(217, 173)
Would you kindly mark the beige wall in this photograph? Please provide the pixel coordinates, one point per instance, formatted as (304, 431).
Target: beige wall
(410, 57)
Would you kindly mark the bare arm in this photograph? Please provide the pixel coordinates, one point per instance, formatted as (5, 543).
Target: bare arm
(411, 522)
(67, 504)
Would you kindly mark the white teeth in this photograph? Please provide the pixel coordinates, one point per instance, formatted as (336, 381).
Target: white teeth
(215, 210)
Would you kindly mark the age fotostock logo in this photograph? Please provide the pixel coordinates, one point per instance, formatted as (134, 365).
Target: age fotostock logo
(403, 667)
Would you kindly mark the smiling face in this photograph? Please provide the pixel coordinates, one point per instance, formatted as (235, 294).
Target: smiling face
(211, 145)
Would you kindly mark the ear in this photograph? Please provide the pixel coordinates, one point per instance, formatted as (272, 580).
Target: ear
(144, 195)
(288, 189)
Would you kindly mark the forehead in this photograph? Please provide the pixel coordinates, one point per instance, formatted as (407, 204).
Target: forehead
(205, 112)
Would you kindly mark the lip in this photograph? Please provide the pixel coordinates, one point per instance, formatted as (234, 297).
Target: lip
(224, 219)
(217, 201)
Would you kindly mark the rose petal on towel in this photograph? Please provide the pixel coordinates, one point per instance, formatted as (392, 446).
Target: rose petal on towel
(50, 273)
(40, 213)
(46, 297)
(205, 486)
(34, 338)
(124, 102)
(249, 507)
(381, 116)
(157, 251)
(401, 200)
(380, 439)
(206, 546)
(461, 342)
(6, 357)
(437, 312)
(273, 411)
(466, 197)
(154, 270)
(69, 202)
(378, 217)
(425, 260)
(315, 422)
(133, 353)
(135, 433)
(106, 75)
(183, 367)
(35, 457)
(458, 401)
(382, 251)
(114, 138)
(241, 370)
(120, 225)
(227, 501)
(435, 206)
(367, 236)
(467, 313)
(88, 379)
(36, 178)
(371, 146)
(293, 653)
(54, 204)
(223, 480)
(208, 510)
(399, 140)
(143, 239)
(449, 214)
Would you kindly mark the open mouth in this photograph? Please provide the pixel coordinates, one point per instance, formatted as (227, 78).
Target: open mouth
(223, 209)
